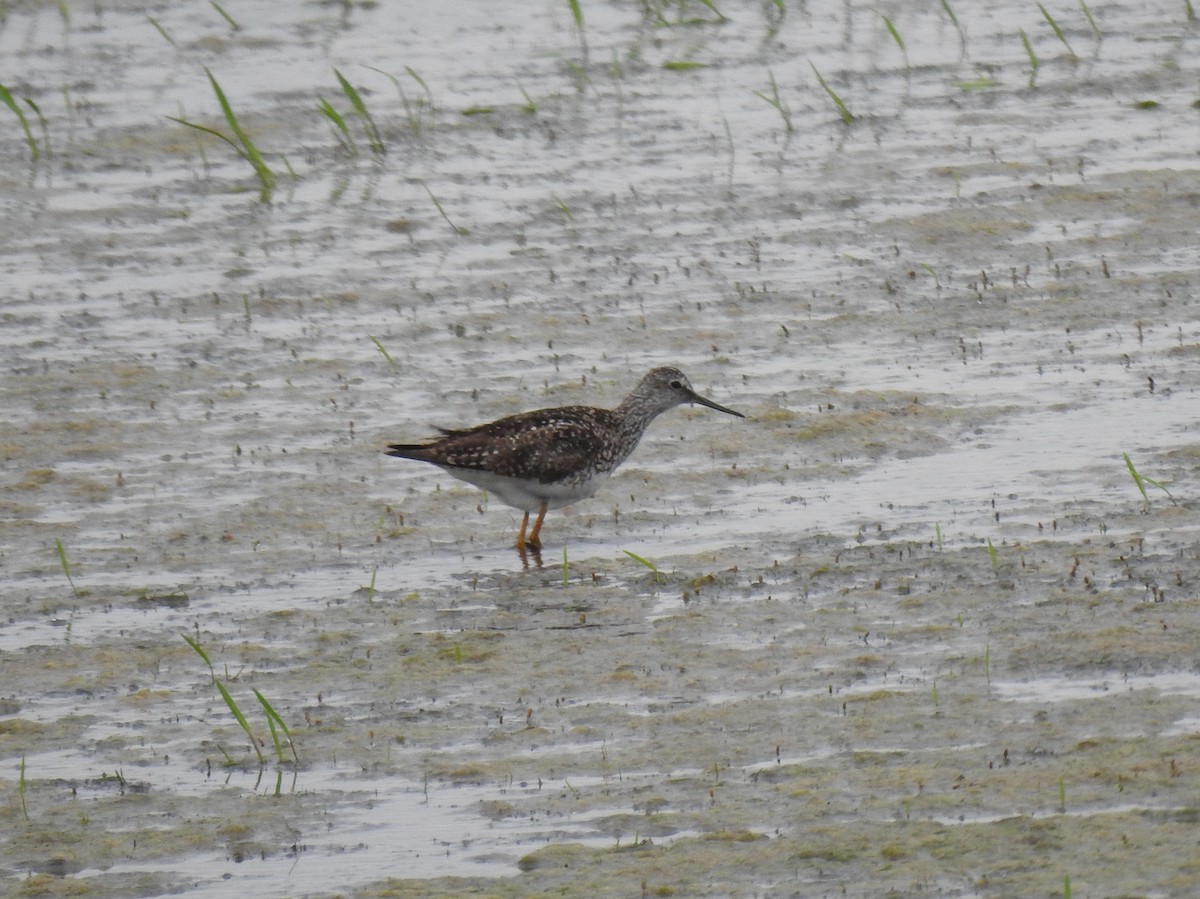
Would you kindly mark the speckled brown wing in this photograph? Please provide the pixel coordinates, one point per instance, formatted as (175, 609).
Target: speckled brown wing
(548, 445)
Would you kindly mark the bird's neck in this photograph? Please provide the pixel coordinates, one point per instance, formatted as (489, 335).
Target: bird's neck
(633, 417)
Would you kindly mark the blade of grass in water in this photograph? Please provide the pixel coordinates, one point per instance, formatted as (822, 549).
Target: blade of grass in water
(273, 718)
(195, 644)
(962, 35)
(846, 114)
(62, 558)
(577, 17)
(1058, 32)
(241, 719)
(342, 130)
(42, 122)
(244, 146)
(360, 109)
(157, 27)
(1033, 59)
(776, 101)
(226, 16)
(1091, 20)
(390, 361)
(21, 790)
(658, 575)
(896, 37)
(461, 232)
(265, 176)
(7, 98)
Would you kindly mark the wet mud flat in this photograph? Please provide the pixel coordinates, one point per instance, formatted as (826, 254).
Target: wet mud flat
(912, 628)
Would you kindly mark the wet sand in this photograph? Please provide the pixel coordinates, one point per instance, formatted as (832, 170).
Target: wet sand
(912, 628)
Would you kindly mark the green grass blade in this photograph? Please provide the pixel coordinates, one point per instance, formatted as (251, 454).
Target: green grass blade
(658, 575)
(962, 35)
(776, 101)
(21, 789)
(7, 98)
(241, 719)
(386, 355)
(42, 123)
(1033, 59)
(62, 558)
(1058, 32)
(1137, 479)
(360, 109)
(333, 115)
(273, 717)
(461, 232)
(226, 16)
(195, 644)
(993, 555)
(265, 176)
(846, 114)
(576, 13)
(896, 37)
(213, 131)
(157, 27)
(1091, 20)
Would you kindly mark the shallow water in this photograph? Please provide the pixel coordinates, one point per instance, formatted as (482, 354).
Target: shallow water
(914, 628)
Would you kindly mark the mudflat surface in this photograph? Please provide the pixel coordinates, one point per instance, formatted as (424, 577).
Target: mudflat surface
(911, 628)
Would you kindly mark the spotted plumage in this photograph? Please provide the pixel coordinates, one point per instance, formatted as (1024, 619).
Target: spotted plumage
(550, 458)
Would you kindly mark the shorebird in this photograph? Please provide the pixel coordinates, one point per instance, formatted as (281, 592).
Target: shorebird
(549, 458)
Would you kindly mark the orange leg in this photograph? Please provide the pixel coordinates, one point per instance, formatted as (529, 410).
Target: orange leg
(535, 539)
(521, 535)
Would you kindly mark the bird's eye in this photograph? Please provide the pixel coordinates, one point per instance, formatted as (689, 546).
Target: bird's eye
(675, 385)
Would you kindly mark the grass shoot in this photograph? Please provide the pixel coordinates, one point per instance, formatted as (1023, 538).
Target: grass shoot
(277, 725)
(41, 122)
(937, 533)
(1091, 20)
(386, 354)
(962, 35)
(577, 18)
(274, 721)
(374, 140)
(1033, 59)
(195, 644)
(1141, 481)
(993, 555)
(564, 566)
(243, 145)
(226, 16)
(847, 116)
(1058, 32)
(66, 567)
(659, 577)
(241, 719)
(21, 789)
(530, 105)
(775, 101)
(7, 98)
(461, 232)
(157, 27)
(341, 130)
(897, 38)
